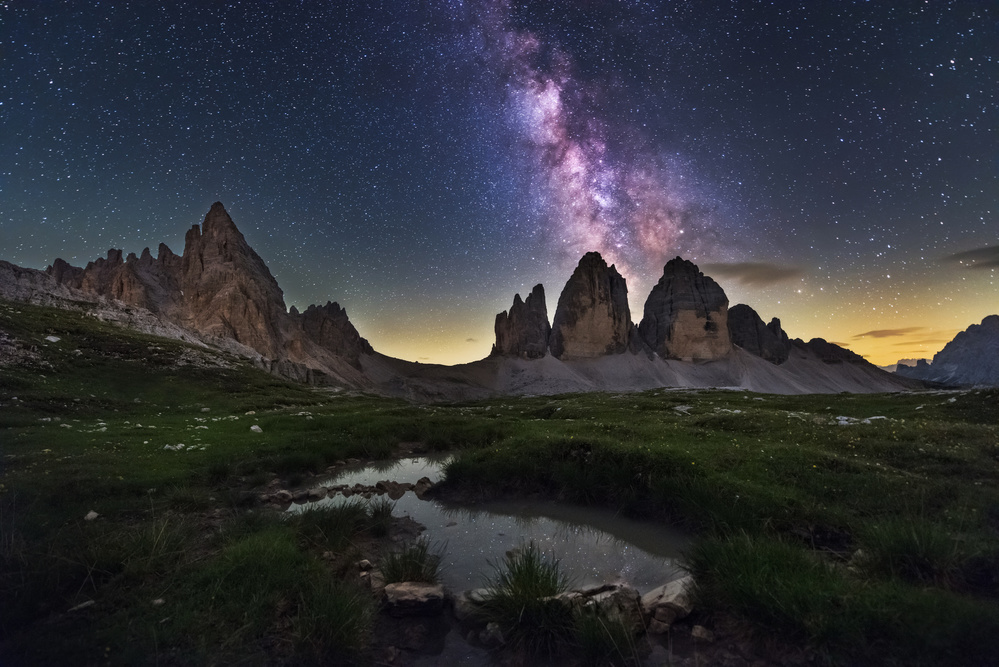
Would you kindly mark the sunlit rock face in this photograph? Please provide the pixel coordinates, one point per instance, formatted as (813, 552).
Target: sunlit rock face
(747, 330)
(524, 330)
(221, 287)
(686, 315)
(228, 290)
(592, 318)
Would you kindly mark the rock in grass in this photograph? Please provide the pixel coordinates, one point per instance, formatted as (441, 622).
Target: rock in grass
(256, 429)
(615, 602)
(468, 605)
(410, 598)
(670, 602)
(91, 515)
(492, 636)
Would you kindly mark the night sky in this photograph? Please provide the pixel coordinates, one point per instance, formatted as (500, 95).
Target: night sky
(834, 164)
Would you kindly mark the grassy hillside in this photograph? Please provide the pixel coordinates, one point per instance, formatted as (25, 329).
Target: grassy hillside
(862, 528)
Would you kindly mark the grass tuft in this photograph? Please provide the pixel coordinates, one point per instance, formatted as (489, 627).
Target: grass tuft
(380, 511)
(334, 622)
(417, 562)
(523, 600)
(332, 526)
(913, 550)
(603, 641)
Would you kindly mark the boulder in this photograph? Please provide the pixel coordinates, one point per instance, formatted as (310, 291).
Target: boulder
(670, 602)
(592, 318)
(468, 605)
(621, 604)
(686, 315)
(524, 332)
(747, 330)
(411, 598)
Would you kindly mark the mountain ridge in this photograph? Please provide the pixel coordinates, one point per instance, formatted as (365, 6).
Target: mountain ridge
(219, 292)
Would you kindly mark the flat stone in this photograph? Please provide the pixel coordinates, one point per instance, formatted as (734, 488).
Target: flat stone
(468, 605)
(621, 603)
(673, 596)
(492, 635)
(656, 627)
(411, 598)
(701, 633)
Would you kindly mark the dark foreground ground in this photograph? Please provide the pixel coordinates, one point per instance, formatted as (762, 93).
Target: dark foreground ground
(841, 529)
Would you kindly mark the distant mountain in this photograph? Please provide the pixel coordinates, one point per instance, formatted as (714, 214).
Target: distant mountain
(971, 359)
(891, 368)
(220, 293)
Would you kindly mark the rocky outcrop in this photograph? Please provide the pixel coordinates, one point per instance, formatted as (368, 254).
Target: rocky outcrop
(329, 327)
(830, 353)
(686, 315)
(592, 318)
(747, 330)
(971, 359)
(227, 289)
(222, 289)
(524, 332)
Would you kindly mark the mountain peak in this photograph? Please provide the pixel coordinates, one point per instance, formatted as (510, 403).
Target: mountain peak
(686, 315)
(592, 317)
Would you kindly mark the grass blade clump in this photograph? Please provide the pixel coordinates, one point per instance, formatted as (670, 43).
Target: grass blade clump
(779, 585)
(380, 511)
(522, 599)
(417, 562)
(916, 551)
(334, 621)
(332, 526)
(603, 641)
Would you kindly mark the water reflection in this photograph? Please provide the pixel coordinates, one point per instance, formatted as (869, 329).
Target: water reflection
(594, 545)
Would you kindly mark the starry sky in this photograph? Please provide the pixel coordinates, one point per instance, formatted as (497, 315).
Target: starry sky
(834, 164)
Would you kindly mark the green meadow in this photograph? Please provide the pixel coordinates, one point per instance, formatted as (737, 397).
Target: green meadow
(861, 529)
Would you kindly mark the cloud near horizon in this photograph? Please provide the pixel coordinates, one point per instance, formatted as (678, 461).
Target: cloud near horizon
(977, 258)
(887, 333)
(755, 274)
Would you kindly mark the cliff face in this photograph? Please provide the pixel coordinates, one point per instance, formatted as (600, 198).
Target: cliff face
(972, 358)
(227, 289)
(592, 318)
(219, 287)
(524, 331)
(747, 330)
(686, 315)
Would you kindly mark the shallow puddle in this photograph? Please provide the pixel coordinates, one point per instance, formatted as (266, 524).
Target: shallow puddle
(594, 545)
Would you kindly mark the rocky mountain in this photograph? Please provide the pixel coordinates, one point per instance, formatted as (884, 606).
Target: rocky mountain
(592, 318)
(221, 288)
(524, 331)
(972, 358)
(219, 293)
(686, 315)
(747, 330)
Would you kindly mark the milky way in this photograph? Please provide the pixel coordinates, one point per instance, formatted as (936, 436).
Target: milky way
(598, 184)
